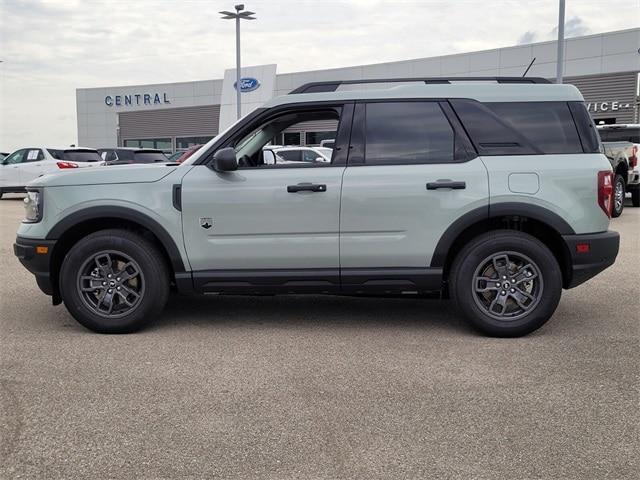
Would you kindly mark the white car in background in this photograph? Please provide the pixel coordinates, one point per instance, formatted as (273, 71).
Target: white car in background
(26, 164)
(274, 155)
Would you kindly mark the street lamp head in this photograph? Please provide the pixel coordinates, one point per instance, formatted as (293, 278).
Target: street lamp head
(239, 7)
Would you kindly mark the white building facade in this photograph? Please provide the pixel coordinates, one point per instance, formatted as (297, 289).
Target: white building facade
(605, 67)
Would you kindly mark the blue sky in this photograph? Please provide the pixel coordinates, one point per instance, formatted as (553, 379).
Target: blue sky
(50, 48)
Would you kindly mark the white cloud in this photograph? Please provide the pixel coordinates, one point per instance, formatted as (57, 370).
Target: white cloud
(50, 48)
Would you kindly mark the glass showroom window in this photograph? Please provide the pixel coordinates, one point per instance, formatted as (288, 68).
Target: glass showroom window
(184, 143)
(163, 144)
(291, 138)
(314, 138)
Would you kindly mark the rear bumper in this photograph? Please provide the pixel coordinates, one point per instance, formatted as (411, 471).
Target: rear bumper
(583, 265)
(37, 263)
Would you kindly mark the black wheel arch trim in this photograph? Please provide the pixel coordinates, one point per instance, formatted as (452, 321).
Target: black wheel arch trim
(495, 210)
(93, 213)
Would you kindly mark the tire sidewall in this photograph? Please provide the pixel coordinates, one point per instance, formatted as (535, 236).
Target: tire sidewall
(155, 277)
(615, 212)
(470, 259)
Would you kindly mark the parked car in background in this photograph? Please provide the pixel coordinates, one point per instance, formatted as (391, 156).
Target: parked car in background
(621, 144)
(26, 164)
(128, 155)
(187, 153)
(273, 155)
(175, 156)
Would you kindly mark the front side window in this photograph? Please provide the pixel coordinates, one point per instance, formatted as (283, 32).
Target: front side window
(250, 145)
(407, 133)
(15, 157)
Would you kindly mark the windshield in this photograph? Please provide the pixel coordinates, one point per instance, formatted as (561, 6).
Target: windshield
(150, 157)
(76, 155)
(620, 134)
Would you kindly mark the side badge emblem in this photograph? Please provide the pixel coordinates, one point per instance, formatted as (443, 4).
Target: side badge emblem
(206, 222)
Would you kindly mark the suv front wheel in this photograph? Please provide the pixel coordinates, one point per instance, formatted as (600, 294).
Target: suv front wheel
(114, 281)
(507, 283)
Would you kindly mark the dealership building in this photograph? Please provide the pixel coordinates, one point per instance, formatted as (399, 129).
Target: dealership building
(173, 116)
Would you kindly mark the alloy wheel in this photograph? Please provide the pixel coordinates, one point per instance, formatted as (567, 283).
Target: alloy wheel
(111, 284)
(507, 285)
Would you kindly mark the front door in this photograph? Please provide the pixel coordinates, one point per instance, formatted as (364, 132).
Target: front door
(264, 221)
(411, 173)
(10, 170)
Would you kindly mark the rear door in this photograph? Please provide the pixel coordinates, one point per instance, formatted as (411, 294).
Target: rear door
(411, 173)
(33, 165)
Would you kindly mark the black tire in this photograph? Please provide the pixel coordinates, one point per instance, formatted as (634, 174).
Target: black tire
(464, 280)
(635, 197)
(148, 295)
(618, 202)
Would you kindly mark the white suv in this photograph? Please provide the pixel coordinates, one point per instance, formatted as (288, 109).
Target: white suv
(27, 164)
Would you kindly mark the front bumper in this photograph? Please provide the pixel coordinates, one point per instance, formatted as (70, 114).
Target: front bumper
(36, 260)
(586, 263)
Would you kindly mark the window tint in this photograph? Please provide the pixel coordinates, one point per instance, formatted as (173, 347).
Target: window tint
(150, 157)
(290, 155)
(586, 128)
(519, 128)
(407, 132)
(82, 156)
(620, 135)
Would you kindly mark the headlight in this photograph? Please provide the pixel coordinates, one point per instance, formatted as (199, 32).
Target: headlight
(33, 206)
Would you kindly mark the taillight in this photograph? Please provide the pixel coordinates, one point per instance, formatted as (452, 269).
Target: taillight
(605, 191)
(633, 159)
(67, 165)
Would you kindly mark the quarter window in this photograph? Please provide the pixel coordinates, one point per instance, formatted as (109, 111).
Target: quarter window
(407, 133)
(519, 128)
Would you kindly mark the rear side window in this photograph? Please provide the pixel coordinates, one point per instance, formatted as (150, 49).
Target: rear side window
(407, 133)
(625, 134)
(150, 157)
(519, 128)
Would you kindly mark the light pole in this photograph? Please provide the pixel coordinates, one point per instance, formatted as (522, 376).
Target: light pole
(560, 55)
(237, 16)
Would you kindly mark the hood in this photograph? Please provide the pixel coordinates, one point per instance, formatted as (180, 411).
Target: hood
(135, 173)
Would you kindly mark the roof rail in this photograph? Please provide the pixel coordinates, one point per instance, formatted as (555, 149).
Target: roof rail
(332, 86)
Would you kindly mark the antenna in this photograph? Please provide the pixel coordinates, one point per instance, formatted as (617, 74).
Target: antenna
(530, 65)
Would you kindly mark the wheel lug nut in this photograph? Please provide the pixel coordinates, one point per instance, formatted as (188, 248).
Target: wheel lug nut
(503, 292)
(504, 278)
(117, 288)
(513, 290)
(497, 284)
(110, 290)
(104, 284)
(117, 279)
(109, 276)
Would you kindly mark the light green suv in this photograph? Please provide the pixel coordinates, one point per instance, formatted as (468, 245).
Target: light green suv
(493, 192)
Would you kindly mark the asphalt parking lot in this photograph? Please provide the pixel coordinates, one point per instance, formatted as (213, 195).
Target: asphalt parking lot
(321, 387)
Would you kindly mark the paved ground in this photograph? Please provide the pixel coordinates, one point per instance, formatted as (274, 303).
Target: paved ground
(321, 387)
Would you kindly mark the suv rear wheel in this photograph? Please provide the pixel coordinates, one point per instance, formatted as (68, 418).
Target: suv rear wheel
(114, 281)
(507, 283)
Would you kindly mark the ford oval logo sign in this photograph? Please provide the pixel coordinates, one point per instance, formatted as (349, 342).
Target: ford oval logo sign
(248, 84)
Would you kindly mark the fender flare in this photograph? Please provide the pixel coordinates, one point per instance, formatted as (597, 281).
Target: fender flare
(93, 213)
(535, 212)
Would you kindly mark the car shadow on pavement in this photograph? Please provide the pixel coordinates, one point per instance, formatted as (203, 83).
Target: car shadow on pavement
(311, 310)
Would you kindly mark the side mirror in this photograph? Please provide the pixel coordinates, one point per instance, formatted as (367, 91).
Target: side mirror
(269, 157)
(224, 160)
